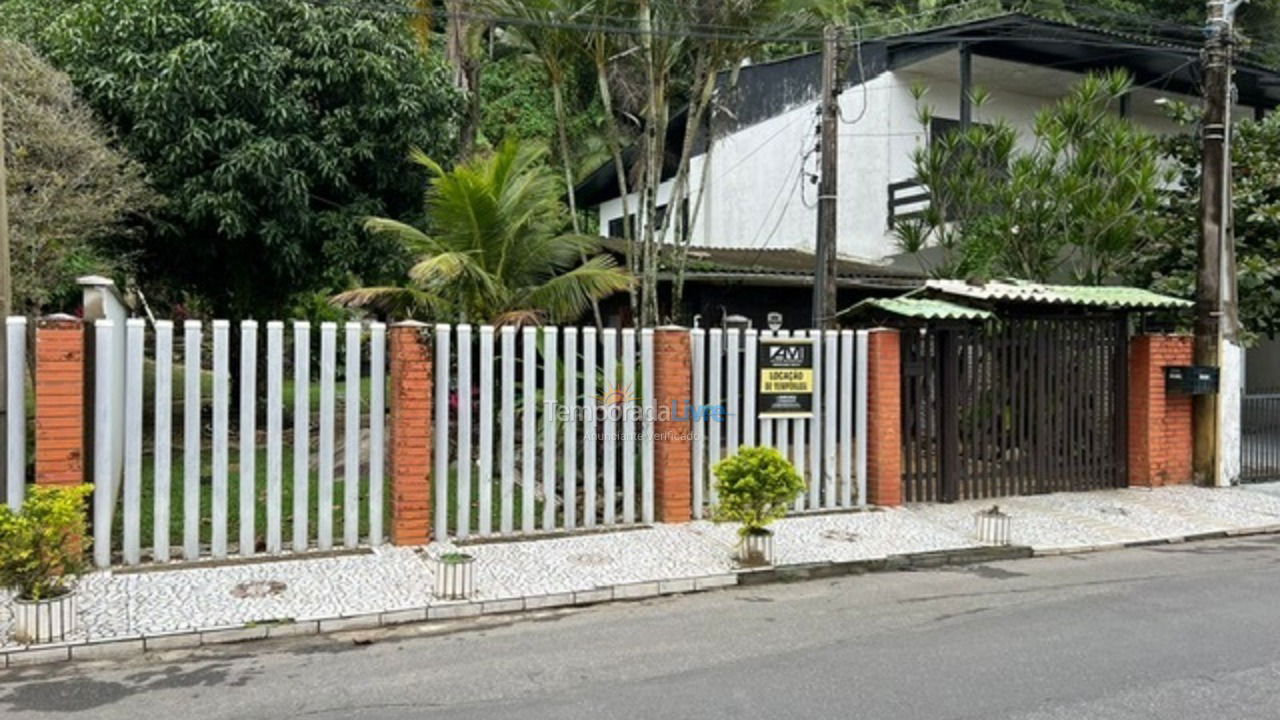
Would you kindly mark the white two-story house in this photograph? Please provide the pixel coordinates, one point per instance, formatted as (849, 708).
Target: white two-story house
(757, 220)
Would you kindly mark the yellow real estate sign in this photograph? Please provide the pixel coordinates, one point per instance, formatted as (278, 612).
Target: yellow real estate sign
(786, 378)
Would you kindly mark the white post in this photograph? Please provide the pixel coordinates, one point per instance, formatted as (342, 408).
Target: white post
(647, 426)
(698, 343)
(163, 440)
(221, 411)
(462, 509)
(351, 443)
(377, 426)
(507, 471)
(248, 475)
(485, 479)
(102, 301)
(15, 406)
(609, 342)
(440, 478)
(301, 434)
(549, 428)
(103, 496)
(134, 340)
(629, 427)
(528, 430)
(570, 460)
(860, 416)
(191, 401)
(328, 366)
(275, 441)
(589, 439)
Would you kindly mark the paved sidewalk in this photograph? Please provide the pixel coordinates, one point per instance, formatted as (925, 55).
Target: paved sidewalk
(167, 607)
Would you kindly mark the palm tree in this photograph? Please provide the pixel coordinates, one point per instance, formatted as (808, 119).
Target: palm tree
(495, 252)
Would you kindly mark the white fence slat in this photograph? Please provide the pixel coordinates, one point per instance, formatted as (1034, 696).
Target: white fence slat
(221, 410)
(163, 442)
(629, 427)
(749, 388)
(860, 413)
(191, 402)
(816, 497)
(103, 498)
(351, 440)
(377, 427)
(248, 435)
(301, 434)
(715, 396)
(275, 442)
(846, 417)
(698, 346)
(135, 329)
(485, 479)
(463, 494)
(589, 438)
(732, 390)
(830, 416)
(16, 409)
(799, 448)
(766, 424)
(507, 471)
(570, 483)
(648, 429)
(528, 444)
(549, 336)
(440, 478)
(609, 343)
(324, 492)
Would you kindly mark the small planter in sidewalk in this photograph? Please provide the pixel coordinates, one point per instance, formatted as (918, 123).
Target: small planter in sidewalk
(42, 550)
(455, 576)
(46, 621)
(756, 548)
(992, 526)
(755, 487)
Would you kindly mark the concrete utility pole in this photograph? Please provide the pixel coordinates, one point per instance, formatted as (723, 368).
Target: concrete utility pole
(6, 294)
(824, 275)
(1216, 269)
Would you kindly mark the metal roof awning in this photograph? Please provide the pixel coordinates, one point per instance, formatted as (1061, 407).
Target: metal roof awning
(915, 308)
(1110, 297)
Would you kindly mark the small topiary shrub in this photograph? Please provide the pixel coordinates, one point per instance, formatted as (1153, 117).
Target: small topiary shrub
(755, 487)
(42, 546)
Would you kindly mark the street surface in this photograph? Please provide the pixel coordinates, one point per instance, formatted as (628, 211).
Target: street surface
(1168, 632)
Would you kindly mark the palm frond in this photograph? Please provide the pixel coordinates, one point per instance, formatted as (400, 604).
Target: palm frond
(409, 303)
(567, 296)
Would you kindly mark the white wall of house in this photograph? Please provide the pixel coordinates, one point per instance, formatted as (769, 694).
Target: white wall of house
(759, 190)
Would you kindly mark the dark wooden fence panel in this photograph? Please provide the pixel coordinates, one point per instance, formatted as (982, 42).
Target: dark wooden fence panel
(1014, 407)
(1260, 438)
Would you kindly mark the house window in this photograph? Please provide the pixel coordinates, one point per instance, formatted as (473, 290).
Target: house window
(616, 228)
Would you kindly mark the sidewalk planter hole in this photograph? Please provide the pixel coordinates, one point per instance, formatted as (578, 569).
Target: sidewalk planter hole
(455, 576)
(258, 589)
(756, 548)
(992, 526)
(46, 621)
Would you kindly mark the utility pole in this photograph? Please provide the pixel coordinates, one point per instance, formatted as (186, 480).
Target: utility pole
(1213, 275)
(824, 275)
(6, 294)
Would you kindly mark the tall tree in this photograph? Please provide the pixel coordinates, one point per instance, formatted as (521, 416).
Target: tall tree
(70, 189)
(271, 126)
(495, 250)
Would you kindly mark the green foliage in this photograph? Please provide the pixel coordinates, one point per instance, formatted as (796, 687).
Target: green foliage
(272, 126)
(42, 546)
(495, 251)
(1076, 203)
(755, 487)
(68, 187)
(1168, 261)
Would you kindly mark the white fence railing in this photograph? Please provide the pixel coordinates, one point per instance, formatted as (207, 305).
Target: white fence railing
(178, 491)
(541, 429)
(828, 449)
(15, 471)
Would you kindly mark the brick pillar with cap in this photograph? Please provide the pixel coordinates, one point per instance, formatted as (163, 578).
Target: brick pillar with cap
(60, 424)
(884, 417)
(673, 439)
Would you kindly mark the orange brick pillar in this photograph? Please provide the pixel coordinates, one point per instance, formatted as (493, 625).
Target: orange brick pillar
(1160, 439)
(410, 433)
(673, 439)
(884, 418)
(60, 407)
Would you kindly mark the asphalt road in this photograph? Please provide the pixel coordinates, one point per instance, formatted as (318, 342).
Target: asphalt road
(1184, 631)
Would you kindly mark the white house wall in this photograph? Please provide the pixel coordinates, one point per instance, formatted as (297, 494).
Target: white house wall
(760, 190)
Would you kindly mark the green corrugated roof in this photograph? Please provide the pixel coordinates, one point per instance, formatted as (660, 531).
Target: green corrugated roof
(1107, 296)
(920, 309)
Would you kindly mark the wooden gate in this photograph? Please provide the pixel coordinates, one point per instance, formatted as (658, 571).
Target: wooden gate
(1014, 406)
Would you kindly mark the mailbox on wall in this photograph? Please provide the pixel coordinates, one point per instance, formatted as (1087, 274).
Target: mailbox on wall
(1191, 379)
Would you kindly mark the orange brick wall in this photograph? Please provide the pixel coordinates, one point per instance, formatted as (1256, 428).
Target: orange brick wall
(60, 410)
(884, 418)
(1160, 439)
(673, 440)
(410, 434)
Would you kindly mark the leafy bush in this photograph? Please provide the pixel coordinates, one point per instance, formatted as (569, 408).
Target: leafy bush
(755, 486)
(43, 545)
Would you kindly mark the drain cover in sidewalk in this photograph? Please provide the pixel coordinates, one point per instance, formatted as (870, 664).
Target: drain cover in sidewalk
(258, 589)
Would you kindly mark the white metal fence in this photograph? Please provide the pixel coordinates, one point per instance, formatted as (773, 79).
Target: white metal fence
(180, 491)
(15, 471)
(828, 449)
(541, 429)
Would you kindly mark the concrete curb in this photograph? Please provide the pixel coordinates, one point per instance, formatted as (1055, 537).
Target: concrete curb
(128, 645)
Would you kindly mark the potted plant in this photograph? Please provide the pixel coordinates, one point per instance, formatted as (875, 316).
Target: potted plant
(455, 577)
(755, 487)
(41, 552)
